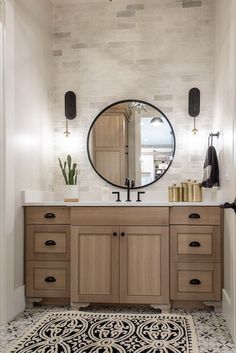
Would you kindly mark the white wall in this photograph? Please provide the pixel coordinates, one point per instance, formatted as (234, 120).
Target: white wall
(32, 130)
(150, 50)
(2, 263)
(224, 121)
(28, 129)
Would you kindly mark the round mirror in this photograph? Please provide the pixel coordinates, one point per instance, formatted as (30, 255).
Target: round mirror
(131, 139)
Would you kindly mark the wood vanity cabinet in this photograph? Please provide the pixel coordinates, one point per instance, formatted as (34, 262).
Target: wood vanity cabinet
(124, 254)
(196, 253)
(120, 263)
(47, 252)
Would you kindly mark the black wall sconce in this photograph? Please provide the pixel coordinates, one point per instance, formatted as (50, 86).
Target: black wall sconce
(70, 109)
(194, 106)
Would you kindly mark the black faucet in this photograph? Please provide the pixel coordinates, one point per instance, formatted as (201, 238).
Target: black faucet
(130, 185)
(138, 195)
(118, 195)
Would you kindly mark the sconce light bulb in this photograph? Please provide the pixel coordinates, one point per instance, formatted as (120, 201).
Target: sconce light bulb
(67, 134)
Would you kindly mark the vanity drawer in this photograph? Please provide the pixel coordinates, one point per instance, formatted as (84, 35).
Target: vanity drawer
(194, 281)
(48, 279)
(195, 215)
(47, 242)
(117, 216)
(47, 215)
(195, 243)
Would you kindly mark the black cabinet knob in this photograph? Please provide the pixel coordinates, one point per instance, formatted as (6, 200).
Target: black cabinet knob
(122, 234)
(50, 215)
(50, 279)
(50, 243)
(194, 216)
(194, 244)
(195, 282)
(114, 234)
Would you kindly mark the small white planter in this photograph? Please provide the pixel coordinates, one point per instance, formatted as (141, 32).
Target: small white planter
(71, 193)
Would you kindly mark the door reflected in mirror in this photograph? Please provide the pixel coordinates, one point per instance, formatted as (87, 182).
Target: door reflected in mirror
(131, 139)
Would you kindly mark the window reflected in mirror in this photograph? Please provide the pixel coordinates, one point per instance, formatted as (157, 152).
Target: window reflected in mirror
(131, 139)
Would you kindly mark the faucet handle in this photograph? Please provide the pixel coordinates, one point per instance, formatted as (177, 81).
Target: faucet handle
(132, 184)
(118, 195)
(138, 196)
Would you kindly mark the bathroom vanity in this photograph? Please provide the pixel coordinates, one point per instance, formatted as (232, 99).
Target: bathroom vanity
(148, 254)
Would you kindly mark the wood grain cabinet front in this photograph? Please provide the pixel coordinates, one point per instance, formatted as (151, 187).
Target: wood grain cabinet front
(196, 243)
(120, 264)
(47, 215)
(95, 264)
(195, 281)
(146, 255)
(144, 265)
(47, 242)
(47, 255)
(48, 279)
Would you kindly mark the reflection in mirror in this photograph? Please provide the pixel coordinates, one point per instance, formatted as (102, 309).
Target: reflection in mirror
(131, 139)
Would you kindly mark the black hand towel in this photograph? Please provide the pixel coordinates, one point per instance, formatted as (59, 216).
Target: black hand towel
(211, 169)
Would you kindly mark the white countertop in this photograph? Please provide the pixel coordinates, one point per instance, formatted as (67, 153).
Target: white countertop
(119, 204)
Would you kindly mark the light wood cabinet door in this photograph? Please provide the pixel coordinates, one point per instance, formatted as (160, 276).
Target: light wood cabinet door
(144, 265)
(95, 264)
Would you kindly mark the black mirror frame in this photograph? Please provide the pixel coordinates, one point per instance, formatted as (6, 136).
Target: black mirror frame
(97, 117)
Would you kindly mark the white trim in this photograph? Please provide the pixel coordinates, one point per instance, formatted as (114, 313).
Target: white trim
(2, 177)
(227, 310)
(11, 298)
(19, 300)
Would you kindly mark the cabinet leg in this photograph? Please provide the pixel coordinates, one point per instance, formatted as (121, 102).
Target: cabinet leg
(165, 308)
(29, 302)
(216, 305)
(77, 306)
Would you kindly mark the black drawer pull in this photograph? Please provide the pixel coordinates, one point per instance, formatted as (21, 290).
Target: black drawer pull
(195, 282)
(50, 279)
(194, 244)
(50, 242)
(50, 215)
(114, 234)
(122, 234)
(194, 216)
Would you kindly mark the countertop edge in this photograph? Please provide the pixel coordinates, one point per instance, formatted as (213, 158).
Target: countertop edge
(117, 204)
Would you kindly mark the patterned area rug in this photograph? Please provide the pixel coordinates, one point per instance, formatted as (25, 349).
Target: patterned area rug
(81, 332)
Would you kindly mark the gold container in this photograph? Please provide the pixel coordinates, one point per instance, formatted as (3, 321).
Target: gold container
(175, 193)
(197, 192)
(170, 190)
(184, 192)
(190, 190)
(180, 193)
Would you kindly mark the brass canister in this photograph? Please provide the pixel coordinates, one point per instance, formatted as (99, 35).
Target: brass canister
(190, 190)
(170, 191)
(184, 192)
(180, 193)
(197, 192)
(175, 193)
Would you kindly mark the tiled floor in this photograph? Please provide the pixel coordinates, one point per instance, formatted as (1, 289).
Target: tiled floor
(212, 332)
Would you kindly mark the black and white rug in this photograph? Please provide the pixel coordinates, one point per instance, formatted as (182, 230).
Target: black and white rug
(86, 332)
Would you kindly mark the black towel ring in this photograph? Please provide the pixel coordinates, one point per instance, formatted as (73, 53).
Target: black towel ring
(211, 136)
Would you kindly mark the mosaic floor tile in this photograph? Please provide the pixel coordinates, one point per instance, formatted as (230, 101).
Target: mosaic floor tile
(212, 332)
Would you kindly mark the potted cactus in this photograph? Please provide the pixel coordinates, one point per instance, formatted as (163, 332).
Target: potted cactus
(70, 175)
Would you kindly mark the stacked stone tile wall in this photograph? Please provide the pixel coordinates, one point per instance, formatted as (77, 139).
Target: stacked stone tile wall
(153, 50)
